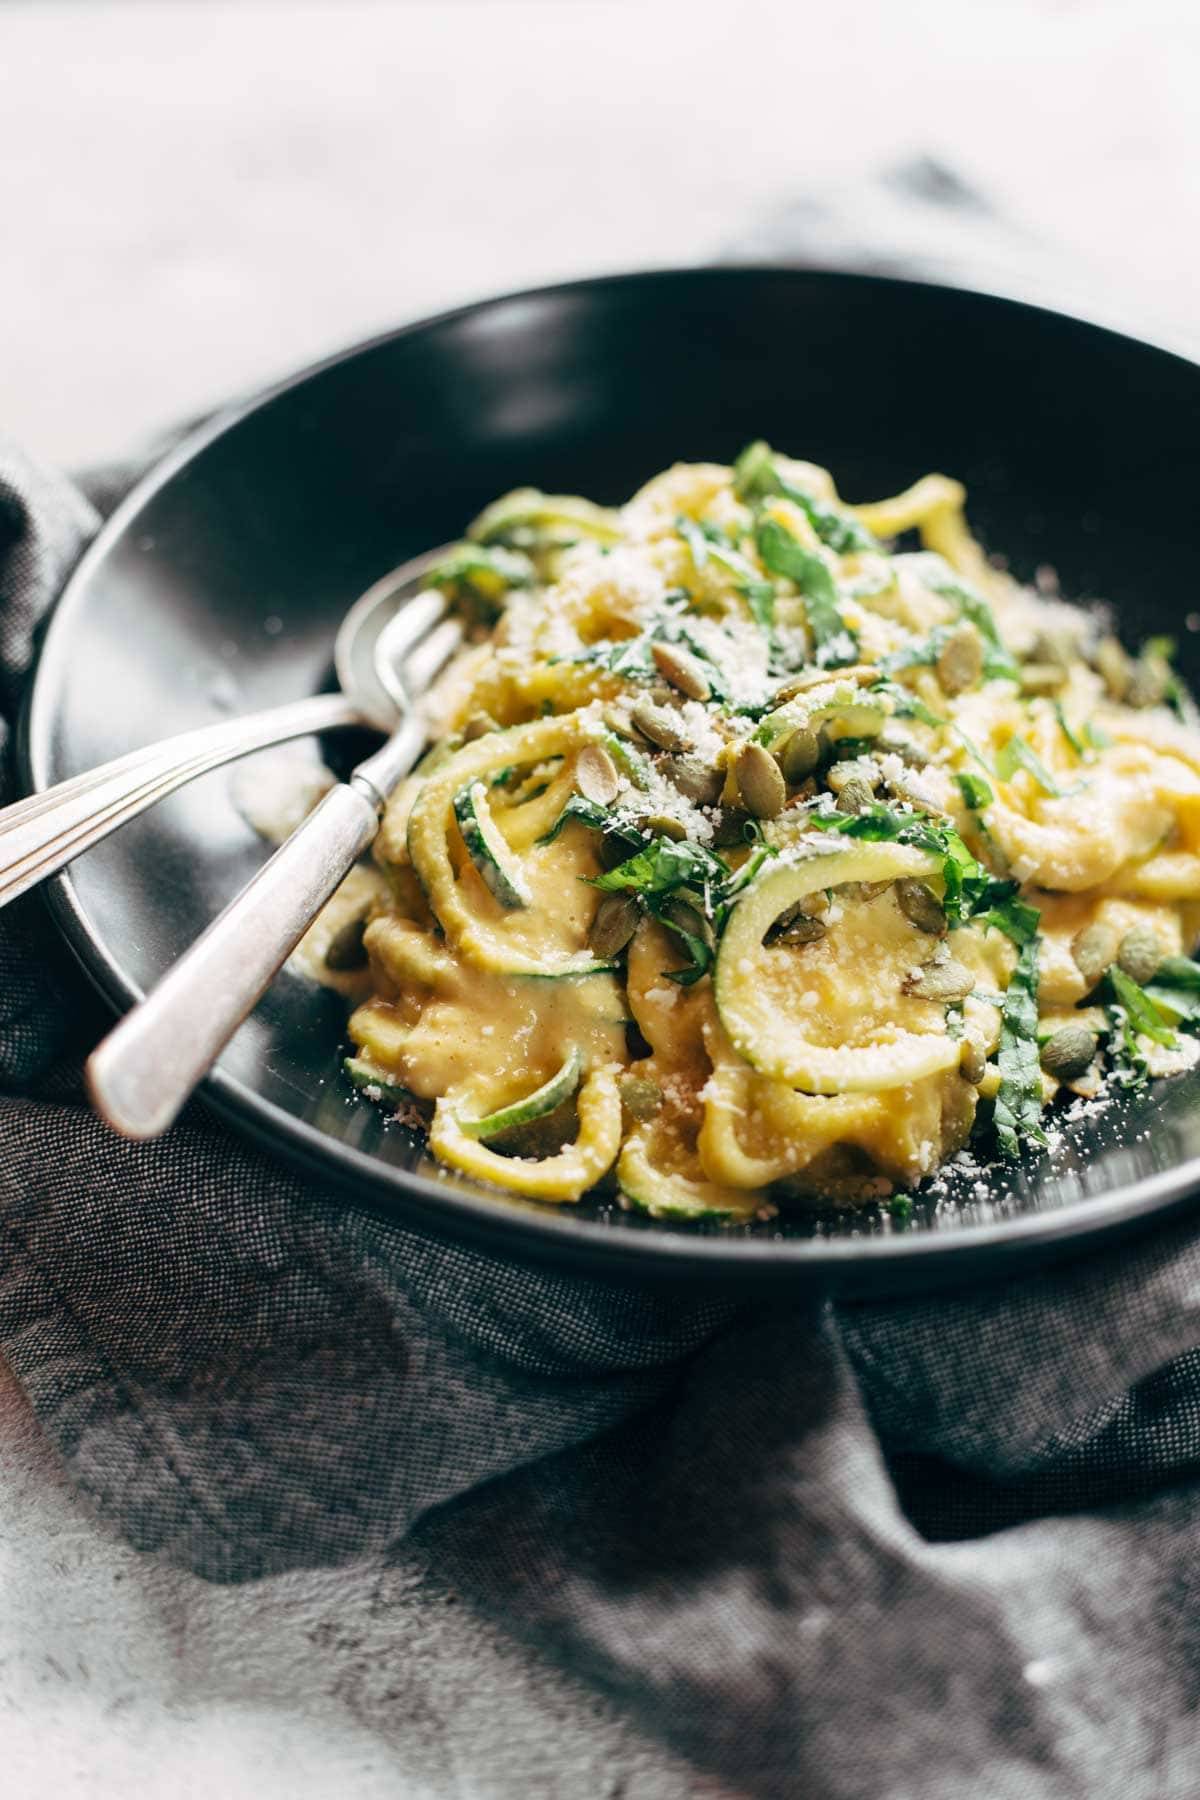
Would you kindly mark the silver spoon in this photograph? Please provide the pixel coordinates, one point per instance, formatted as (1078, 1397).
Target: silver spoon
(392, 644)
(41, 834)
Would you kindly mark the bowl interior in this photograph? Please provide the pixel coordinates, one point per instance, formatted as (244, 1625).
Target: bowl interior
(219, 587)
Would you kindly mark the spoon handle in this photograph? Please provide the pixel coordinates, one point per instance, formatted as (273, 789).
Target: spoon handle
(38, 835)
(144, 1071)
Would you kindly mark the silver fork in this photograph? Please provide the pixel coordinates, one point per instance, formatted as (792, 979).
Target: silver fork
(143, 1072)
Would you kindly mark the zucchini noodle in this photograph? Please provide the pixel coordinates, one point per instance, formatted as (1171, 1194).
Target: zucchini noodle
(762, 858)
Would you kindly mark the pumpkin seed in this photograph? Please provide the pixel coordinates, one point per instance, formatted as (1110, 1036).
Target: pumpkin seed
(1148, 681)
(730, 829)
(666, 824)
(1060, 647)
(800, 755)
(760, 782)
(641, 1097)
(1115, 666)
(1140, 953)
(477, 726)
(864, 890)
(960, 660)
(615, 922)
(856, 796)
(614, 849)
(660, 726)
(1041, 678)
(972, 1061)
(687, 919)
(856, 768)
(1069, 1051)
(907, 749)
(695, 779)
(921, 906)
(942, 978)
(803, 930)
(862, 673)
(796, 926)
(345, 950)
(1093, 948)
(596, 775)
(681, 669)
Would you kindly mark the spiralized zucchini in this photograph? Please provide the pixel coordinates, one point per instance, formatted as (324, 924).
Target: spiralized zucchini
(759, 858)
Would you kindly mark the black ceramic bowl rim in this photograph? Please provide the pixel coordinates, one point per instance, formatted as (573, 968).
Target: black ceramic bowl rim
(841, 1262)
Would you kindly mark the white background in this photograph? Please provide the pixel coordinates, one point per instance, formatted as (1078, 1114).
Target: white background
(194, 198)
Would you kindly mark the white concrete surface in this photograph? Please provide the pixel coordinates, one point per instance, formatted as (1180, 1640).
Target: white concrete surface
(198, 196)
(195, 197)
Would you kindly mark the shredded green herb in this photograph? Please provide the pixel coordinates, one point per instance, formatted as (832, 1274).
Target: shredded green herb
(756, 476)
(1175, 988)
(1140, 1011)
(975, 791)
(836, 644)
(1064, 725)
(1018, 1115)
(905, 704)
(998, 660)
(971, 893)
(577, 810)
(482, 570)
(1017, 754)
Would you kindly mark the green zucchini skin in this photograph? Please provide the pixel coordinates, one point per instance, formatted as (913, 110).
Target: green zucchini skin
(487, 849)
(544, 1100)
(366, 1077)
(666, 1196)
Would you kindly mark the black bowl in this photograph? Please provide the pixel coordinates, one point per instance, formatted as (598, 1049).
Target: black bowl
(219, 584)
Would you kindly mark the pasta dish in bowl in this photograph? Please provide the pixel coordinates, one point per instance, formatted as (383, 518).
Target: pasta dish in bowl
(770, 850)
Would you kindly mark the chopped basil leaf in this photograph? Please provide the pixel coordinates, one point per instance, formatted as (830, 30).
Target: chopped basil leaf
(1140, 1011)
(754, 473)
(906, 704)
(760, 597)
(1178, 972)
(577, 809)
(756, 476)
(1017, 754)
(487, 572)
(708, 542)
(700, 953)
(664, 865)
(922, 653)
(1177, 1005)
(998, 660)
(975, 791)
(970, 892)
(1075, 742)
(1019, 1099)
(836, 644)
(900, 1208)
(1015, 918)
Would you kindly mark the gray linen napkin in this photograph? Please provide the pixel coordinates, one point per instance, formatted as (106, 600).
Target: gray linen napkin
(923, 1549)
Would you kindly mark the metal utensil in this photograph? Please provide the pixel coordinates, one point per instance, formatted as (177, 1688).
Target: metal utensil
(145, 1069)
(41, 834)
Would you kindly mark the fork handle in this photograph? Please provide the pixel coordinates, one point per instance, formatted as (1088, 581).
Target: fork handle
(144, 1071)
(38, 835)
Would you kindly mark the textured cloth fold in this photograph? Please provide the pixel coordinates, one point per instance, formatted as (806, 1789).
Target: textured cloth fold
(924, 1548)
